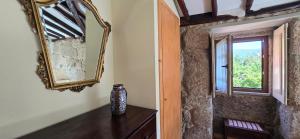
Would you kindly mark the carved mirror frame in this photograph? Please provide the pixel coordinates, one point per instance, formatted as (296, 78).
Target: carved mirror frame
(44, 70)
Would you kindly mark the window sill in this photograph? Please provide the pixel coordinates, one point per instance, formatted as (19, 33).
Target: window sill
(251, 93)
(244, 93)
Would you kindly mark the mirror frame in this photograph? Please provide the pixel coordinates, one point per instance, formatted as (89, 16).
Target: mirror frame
(44, 70)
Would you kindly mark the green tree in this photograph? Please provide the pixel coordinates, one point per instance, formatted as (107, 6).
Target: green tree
(247, 71)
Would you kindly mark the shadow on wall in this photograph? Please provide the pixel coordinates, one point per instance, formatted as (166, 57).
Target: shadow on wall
(41, 121)
(261, 109)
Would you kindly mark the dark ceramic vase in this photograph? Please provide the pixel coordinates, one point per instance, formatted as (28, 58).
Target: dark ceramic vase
(118, 99)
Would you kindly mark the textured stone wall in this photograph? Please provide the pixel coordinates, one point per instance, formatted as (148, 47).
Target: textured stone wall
(294, 62)
(260, 109)
(196, 98)
(290, 115)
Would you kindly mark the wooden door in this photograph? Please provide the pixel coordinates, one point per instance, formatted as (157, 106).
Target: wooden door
(169, 62)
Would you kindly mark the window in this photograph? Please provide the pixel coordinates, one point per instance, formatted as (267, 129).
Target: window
(242, 64)
(250, 64)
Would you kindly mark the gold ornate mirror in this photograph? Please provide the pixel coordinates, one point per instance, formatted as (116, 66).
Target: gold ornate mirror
(73, 37)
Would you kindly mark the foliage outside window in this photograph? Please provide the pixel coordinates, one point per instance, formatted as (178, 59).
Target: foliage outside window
(250, 64)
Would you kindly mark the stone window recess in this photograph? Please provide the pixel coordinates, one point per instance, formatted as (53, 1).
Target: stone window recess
(232, 54)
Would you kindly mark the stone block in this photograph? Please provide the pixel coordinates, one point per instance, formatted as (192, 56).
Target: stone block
(289, 122)
(197, 117)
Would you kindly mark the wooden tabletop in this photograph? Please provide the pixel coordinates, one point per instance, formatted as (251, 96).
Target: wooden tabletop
(98, 124)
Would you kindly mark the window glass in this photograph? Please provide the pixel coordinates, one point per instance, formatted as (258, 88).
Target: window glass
(247, 64)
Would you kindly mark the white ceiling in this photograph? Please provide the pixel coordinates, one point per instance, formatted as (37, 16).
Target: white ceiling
(198, 6)
(251, 26)
(258, 4)
(232, 7)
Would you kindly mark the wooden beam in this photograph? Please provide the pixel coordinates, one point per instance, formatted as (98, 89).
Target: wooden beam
(52, 35)
(52, 17)
(249, 4)
(209, 17)
(205, 18)
(65, 14)
(66, 6)
(77, 7)
(183, 9)
(277, 8)
(55, 32)
(70, 4)
(80, 13)
(59, 28)
(214, 8)
(83, 22)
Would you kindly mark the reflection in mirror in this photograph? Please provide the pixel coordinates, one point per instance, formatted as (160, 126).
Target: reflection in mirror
(73, 38)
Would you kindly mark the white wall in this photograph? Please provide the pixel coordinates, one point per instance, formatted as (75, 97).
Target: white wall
(133, 27)
(25, 104)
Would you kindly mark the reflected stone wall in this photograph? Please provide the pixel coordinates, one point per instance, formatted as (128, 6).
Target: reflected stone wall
(68, 59)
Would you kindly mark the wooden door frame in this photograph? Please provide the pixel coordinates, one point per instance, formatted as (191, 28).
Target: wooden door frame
(162, 4)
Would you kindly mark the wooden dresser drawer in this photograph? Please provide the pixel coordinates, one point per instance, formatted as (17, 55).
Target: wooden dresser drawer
(146, 131)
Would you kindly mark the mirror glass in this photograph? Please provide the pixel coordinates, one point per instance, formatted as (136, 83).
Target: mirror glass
(73, 38)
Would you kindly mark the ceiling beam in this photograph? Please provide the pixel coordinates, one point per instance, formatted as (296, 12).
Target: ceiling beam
(59, 28)
(83, 23)
(205, 18)
(65, 5)
(209, 17)
(80, 13)
(77, 7)
(65, 14)
(68, 7)
(55, 32)
(52, 35)
(277, 8)
(70, 4)
(183, 9)
(65, 25)
(249, 4)
(214, 8)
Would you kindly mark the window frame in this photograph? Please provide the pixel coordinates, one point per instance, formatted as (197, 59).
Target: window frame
(265, 63)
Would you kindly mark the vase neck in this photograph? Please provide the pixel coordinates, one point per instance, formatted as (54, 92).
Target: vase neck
(118, 86)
